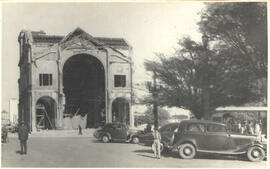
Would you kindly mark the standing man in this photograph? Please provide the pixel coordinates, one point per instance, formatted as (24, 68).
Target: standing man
(80, 129)
(23, 137)
(156, 143)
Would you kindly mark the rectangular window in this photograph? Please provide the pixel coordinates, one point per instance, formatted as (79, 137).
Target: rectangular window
(216, 128)
(119, 80)
(193, 127)
(45, 79)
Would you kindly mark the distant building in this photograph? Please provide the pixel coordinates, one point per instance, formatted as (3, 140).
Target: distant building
(13, 111)
(62, 77)
(178, 114)
(5, 118)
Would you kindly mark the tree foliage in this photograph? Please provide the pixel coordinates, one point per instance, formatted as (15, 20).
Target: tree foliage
(243, 28)
(240, 33)
(235, 60)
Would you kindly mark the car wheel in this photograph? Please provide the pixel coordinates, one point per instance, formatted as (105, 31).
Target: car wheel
(187, 151)
(255, 154)
(135, 140)
(105, 139)
(161, 147)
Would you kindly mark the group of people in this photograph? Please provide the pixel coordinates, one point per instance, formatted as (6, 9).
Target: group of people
(249, 127)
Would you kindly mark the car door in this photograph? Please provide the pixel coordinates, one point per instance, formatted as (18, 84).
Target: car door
(168, 132)
(196, 132)
(217, 138)
(116, 131)
(124, 132)
(147, 138)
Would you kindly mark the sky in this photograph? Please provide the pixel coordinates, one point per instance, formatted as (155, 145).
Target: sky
(149, 27)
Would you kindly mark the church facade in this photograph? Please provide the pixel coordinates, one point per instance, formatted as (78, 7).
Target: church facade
(74, 79)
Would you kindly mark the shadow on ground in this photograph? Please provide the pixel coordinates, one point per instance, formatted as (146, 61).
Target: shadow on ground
(146, 156)
(171, 154)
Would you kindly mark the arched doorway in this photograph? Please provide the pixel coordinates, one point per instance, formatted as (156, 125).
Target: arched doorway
(45, 113)
(84, 88)
(120, 110)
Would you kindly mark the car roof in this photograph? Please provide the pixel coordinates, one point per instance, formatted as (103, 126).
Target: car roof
(115, 123)
(202, 121)
(169, 124)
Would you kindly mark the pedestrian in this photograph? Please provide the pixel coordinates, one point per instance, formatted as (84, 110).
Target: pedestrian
(157, 139)
(80, 129)
(102, 117)
(239, 126)
(243, 128)
(258, 129)
(23, 137)
(250, 128)
(4, 134)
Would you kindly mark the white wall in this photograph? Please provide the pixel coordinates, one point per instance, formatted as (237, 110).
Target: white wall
(13, 110)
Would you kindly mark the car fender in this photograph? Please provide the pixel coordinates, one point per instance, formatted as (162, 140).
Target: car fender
(247, 146)
(258, 145)
(183, 141)
(106, 133)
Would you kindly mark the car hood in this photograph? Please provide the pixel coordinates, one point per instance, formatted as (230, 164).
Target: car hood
(243, 136)
(242, 140)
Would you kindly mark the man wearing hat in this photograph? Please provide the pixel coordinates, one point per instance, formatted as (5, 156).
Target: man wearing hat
(23, 136)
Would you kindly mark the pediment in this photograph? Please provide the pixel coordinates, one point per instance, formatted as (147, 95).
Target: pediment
(79, 39)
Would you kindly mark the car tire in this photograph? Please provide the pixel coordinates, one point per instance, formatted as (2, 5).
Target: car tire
(255, 154)
(161, 147)
(105, 139)
(135, 140)
(187, 151)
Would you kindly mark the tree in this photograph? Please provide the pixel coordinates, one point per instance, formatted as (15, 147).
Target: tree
(184, 75)
(231, 68)
(240, 33)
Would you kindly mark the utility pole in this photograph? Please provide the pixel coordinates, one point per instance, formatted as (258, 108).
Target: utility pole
(155, 105)
(205, 85)
(153, 89)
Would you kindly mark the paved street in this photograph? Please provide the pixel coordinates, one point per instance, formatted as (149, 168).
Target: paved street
(88, 152)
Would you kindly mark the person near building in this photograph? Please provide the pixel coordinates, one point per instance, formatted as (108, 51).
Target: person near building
(157, 139)
(258, 129)
(80, 129)
(4, 134)
(23, 137)
(243, 128)
(239, 126)
(250, 129)
(102, 117)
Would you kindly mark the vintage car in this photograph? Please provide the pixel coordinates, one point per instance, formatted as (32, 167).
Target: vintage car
(114, 132)
(195, 136)
(147, 138)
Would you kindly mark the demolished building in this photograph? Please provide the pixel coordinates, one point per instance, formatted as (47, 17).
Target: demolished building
(78, 76)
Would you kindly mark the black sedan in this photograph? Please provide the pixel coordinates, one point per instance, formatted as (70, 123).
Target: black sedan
(114, 132)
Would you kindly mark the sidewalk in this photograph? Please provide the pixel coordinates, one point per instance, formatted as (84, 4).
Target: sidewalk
(58, 133)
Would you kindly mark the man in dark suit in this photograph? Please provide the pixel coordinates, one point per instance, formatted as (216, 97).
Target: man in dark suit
(23, 137)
